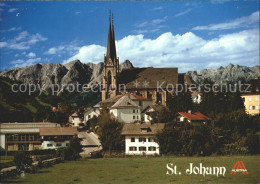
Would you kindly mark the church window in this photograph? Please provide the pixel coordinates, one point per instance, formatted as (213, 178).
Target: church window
(109, 81)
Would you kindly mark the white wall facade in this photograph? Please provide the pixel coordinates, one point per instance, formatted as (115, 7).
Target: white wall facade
(54, 145)
(90, 114)
(76, 121)
(127, 115)
(2, 140)
(137, 145)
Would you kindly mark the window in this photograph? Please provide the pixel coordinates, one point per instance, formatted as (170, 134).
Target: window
(256, 98)
(89, 116)
(152, 148)
(133, 111)
(49, 145)
(136, 117)
(23, 137)
(132, 148)
(67, 144)
(133, 117)
(58, 144)
(250, 99)
(253, 107)
(142, 139)
(132, 139)
(136, 111)
(142, 148)
(243, 99)
(31, 137)
(150, 139)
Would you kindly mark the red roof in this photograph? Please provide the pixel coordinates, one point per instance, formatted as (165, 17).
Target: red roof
(137, 97)
(194, 116)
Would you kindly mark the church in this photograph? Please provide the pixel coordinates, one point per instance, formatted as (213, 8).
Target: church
(150, 83)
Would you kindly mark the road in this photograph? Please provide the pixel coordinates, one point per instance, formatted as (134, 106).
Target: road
(90, 143)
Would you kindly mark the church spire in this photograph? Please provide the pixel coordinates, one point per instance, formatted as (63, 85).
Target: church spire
(111, 45)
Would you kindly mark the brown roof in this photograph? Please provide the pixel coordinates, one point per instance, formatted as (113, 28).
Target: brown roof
(149, 75)
(58, 131)
(136, 128)
(194, 116)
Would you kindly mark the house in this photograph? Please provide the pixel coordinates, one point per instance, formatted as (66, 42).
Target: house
(140, 138)
(23, 136)
(251, 102)
(194, 118)
(75, 119)
(91, 112)
(147, 112)
(126, 110)
(196, 97)
(56, 137)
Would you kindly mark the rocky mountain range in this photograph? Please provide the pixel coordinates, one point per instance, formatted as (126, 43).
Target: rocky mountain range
(71, 73)
(77, 72)
(231, 73)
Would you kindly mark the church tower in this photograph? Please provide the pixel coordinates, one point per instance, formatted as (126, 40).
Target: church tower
(111, 64)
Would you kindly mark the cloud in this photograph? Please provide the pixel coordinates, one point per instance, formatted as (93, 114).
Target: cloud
(183, 13)
(69, 48)
(158, 8)
(22, 63)
(22, 41)
(31, 55)
(187, 51)
(76, 13)
(15, 29)
(237, 23)
(219, 1)
(11, 10)
(150, 26)
(91, 53)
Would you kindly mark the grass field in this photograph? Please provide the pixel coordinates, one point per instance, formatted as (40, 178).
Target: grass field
(142, 170)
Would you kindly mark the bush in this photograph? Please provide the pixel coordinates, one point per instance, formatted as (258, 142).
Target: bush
(252, 143)
(22, 159)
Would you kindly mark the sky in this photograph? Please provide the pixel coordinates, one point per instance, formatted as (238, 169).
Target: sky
(190, 35)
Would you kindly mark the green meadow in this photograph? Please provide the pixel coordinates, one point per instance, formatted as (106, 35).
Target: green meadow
(142, 170)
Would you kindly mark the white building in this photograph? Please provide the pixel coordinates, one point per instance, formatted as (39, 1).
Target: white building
(126, 110)
(140, 138)
(53, 138)
(91, 112)
(75, 119)
(196, 97)
(22, 136)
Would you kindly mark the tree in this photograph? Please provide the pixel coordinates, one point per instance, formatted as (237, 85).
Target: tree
(179, 103)
(110, 132)
(72, 151)
(162, 115)
(22, 160)
(168, 139)
(76, 146)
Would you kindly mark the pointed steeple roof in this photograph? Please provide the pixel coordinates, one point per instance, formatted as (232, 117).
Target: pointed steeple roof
(111, 45)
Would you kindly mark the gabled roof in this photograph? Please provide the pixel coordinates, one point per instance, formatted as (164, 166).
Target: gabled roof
(58, 131)
(75, 114)
(136, 128)
(125, 102)
(194, 116)
(147, 78)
